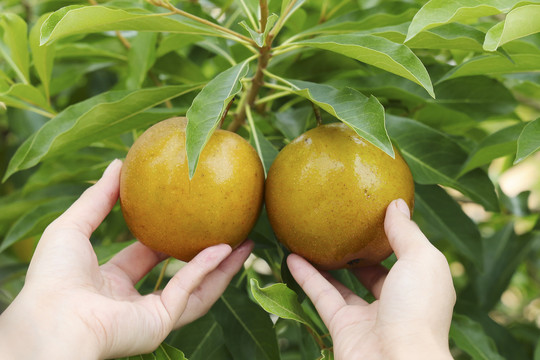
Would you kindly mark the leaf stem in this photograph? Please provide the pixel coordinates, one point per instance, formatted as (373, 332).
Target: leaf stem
(316, 337)
(41, 112)
(273, 97)
(336, 9)
(279, 79)
(248, 14)
(254, 132)
(277, 87)
(281, 21)
(162, 274)
(317, 112)
(324, 6)
(285, 49)
(167, 5)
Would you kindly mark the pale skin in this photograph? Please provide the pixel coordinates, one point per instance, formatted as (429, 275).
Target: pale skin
(72, 308)
(411, 316)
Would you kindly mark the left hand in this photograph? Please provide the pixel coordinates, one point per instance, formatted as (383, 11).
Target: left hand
(70, 307)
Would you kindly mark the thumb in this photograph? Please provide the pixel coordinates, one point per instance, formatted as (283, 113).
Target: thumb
(405, 237)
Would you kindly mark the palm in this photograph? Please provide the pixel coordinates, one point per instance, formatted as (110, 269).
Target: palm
(66, 272)
(414, 299)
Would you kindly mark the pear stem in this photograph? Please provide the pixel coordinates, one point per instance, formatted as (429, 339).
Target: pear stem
(162, 274)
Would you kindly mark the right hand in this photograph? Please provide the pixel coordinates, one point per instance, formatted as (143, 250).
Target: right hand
(410, 318)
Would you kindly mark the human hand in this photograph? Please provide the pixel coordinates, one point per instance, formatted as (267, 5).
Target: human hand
(410, 318)
(72, 308)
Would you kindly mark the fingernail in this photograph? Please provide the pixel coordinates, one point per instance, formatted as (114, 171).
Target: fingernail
(112, 165)
(403, 207)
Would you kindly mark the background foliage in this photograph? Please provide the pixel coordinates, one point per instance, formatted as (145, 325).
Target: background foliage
(454, 85)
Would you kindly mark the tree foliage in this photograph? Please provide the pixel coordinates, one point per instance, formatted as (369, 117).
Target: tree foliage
(453, 85)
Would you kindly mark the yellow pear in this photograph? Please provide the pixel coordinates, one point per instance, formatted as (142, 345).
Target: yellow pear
(326, 196)
(168, 212)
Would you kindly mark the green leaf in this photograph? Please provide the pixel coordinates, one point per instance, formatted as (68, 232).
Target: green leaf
(150, 356)
(207, 110)
(14, 44)
(529, 140)
(365, 115)
(500, 143)
(293, 122)
(72, 167)
(348, 279)
(167, 352)
(502, 253)
(106, 252)
(326, 354)
(434, 158)
(25, 96)
(260, 38)
(248, 330)
(279, 300)
(36, 220)
(85, 50)
(141, 58)
(267, 152)
(17, 203)
(42, 56)
(440, 12)
(201, 339)
(444, 216)
(518, 23)
(108, 114)
(75, 19)
(175, 42)
(495, 65)
(376, 51)
(450, 36)
(470, 337)
(477, 96)
(290, 6)
(382, 15)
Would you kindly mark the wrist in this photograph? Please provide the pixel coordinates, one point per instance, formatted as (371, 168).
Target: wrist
(32, 330)
(420, 347)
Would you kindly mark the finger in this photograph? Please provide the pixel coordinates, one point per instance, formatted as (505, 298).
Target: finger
(94, 204)
(215, 284)
(176, 293)
(326, 298)
(372, 277)
(135, 261)
(348, 295)
(404, 235)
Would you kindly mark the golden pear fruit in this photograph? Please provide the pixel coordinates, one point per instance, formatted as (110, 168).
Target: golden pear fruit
(326, 197)
(168, 212)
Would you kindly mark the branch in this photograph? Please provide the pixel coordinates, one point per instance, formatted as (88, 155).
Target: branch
(165, 4)
(264, 14)
(256, 83)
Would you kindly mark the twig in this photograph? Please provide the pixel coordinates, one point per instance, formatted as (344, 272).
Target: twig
(123, 40)
(263, 4)
(167, 5)
(258, 80)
